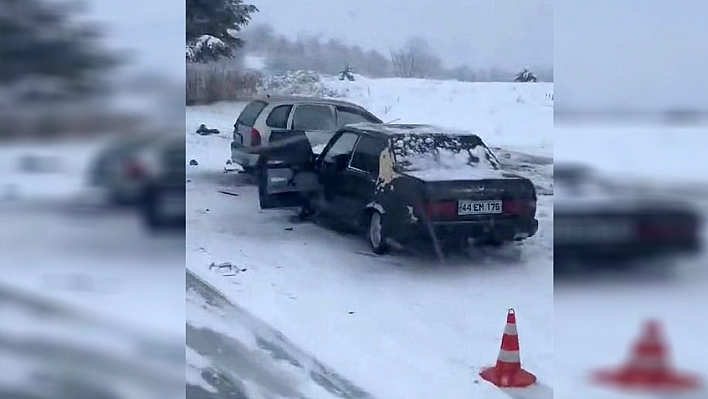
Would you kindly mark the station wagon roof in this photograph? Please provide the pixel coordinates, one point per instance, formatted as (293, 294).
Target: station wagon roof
(306, 100)
(393, 129)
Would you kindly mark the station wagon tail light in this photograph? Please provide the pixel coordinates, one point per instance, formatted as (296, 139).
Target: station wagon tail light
(255, 137)
(441, 210)
(519, 207)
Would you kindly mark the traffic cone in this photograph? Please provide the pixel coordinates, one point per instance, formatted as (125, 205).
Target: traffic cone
(648, 367)
(507, 373)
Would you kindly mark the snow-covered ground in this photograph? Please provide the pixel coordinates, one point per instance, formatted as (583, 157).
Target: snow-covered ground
(108, 289)
(398, 326)
(61, 180)
(597, 320)
(516, 116)
(249, 356)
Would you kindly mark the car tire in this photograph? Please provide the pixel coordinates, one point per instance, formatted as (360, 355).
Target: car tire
(376, 233)
(494, 243)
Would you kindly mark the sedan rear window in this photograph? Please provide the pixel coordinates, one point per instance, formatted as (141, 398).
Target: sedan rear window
(423, 152)
(250, 113)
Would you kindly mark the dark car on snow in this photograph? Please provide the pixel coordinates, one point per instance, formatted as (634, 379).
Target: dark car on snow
(400, 182)
(601, 222)
(162, 195)
(118, 169)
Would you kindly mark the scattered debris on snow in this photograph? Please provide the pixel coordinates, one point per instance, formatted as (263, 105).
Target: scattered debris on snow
(205, 131)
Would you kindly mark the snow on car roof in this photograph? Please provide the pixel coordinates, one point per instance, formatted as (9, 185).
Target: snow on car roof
(408, 129)
(306, 100)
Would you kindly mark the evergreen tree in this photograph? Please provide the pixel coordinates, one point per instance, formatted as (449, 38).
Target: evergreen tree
(40, 41)
(213, 26)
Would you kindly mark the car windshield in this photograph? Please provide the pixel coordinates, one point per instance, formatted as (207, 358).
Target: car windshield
(426, 152)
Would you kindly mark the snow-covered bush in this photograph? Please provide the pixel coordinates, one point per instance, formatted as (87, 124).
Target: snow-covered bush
(298, 83)
(347, 73)
(208, 84)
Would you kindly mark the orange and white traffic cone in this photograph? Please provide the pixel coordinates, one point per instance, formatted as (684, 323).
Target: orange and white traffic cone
(507, 373)
(648, 367)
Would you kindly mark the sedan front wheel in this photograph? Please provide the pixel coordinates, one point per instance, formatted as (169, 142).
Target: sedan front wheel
(377, 233)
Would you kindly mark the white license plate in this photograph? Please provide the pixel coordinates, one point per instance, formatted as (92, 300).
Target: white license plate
(467, 207)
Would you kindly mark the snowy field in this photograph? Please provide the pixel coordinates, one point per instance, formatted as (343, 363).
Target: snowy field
(398, 326)
(94, 267)
(606, 314)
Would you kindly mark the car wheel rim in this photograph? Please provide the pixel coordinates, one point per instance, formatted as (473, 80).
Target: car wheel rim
(375, 229)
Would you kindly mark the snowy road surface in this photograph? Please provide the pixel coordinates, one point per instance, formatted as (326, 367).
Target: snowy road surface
(399, 326)
(598, 319)
(230, 353)
(112, 287)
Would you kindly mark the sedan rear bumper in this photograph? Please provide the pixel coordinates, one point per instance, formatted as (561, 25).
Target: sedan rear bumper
(619, 252)
(497, 230)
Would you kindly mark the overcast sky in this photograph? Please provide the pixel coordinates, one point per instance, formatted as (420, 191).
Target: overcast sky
(481, 33)
(647, 54)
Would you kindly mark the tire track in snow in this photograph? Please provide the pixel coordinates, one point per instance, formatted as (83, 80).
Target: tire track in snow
(538, 169)
(240, 362)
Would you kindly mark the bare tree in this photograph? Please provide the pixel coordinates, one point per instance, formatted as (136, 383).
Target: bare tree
(416, 59)
(403, 63)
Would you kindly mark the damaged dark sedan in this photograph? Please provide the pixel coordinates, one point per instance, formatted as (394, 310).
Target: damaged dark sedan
(601, 222)
(401, 183)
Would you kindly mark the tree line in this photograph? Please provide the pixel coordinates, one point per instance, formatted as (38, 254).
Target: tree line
(415, 59)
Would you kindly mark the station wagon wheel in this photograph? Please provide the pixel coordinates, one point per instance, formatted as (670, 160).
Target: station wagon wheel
(377, 233)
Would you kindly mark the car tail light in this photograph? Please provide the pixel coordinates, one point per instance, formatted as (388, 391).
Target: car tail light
(659, 230)
(255, 137)
(517, 207)
(441, 210)
(135, 169)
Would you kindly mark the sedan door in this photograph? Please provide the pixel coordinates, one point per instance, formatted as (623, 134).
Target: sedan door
(358, 183)
(285, 170)
(332, 169)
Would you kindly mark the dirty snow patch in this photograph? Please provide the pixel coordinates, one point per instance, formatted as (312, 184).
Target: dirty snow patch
(195, 364)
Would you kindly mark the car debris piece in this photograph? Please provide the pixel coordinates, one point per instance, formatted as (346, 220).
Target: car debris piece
(228, 266)
(228, 193)
(205, 131)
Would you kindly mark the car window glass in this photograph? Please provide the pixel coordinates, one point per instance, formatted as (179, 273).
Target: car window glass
(313, 117)
(366, 154)
(250, 113)
(343, 145)
(278, 117)
(346, 116)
